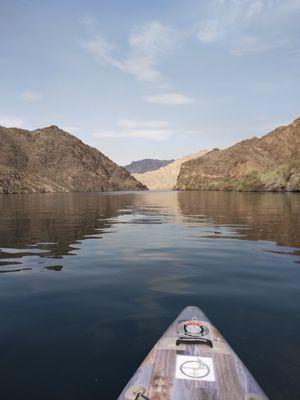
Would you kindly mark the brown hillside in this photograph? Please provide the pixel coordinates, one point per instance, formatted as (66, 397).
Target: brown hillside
(269, 163)
(52, 160)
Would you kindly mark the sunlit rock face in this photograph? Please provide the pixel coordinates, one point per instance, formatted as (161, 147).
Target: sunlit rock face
(165, 177)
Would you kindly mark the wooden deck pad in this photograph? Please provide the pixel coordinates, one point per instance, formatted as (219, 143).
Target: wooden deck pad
(192, 371)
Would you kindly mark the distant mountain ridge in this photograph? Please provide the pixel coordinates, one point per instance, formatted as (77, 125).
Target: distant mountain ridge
(165, 177)
(271, 163)
(145, 165)
(52, 160)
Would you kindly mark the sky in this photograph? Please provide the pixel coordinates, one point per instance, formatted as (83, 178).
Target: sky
(150, 79)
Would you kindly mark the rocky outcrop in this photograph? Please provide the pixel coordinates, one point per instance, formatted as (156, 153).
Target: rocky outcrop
(165, 178)
(52, 160)
(145, 165)
(271, 163)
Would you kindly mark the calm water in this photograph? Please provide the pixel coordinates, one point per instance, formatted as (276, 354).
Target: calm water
(88, 283)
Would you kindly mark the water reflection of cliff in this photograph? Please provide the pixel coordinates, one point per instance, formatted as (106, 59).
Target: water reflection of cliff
(50, 225)
(265, 216)
(251, 216)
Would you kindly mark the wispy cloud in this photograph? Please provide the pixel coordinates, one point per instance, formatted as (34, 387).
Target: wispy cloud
(152, 39)
(11, 122)
(31, 97)
(250, 26)
(253, 44)
(150, 134)
(152, 130)
(209, 31)
(169, 98)
(152, 124)
(102, 50)
(147, 45)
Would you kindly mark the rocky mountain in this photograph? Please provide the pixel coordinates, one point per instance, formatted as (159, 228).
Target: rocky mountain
(165, 177)
(147, 164)
(271, 163)
(52, 160)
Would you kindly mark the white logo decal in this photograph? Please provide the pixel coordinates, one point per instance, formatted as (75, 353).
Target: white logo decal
(195, 368)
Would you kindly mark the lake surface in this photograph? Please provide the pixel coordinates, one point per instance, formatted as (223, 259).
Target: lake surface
(89, 282)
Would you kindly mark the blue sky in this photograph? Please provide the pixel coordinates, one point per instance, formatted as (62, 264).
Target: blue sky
(157, 79)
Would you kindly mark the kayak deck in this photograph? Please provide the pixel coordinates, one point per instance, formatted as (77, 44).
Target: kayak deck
(189, 370)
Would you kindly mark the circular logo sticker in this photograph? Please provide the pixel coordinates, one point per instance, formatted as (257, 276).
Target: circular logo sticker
(195, 369)
(192, 328)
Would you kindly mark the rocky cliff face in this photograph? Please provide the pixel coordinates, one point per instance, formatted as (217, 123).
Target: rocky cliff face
(145, 165)
(165, 178)
(52, 160)
(271, 163)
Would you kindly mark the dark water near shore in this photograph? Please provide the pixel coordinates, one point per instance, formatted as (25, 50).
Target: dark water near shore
(88, 283)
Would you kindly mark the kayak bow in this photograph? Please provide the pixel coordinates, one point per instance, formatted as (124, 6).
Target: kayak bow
(192, 361)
